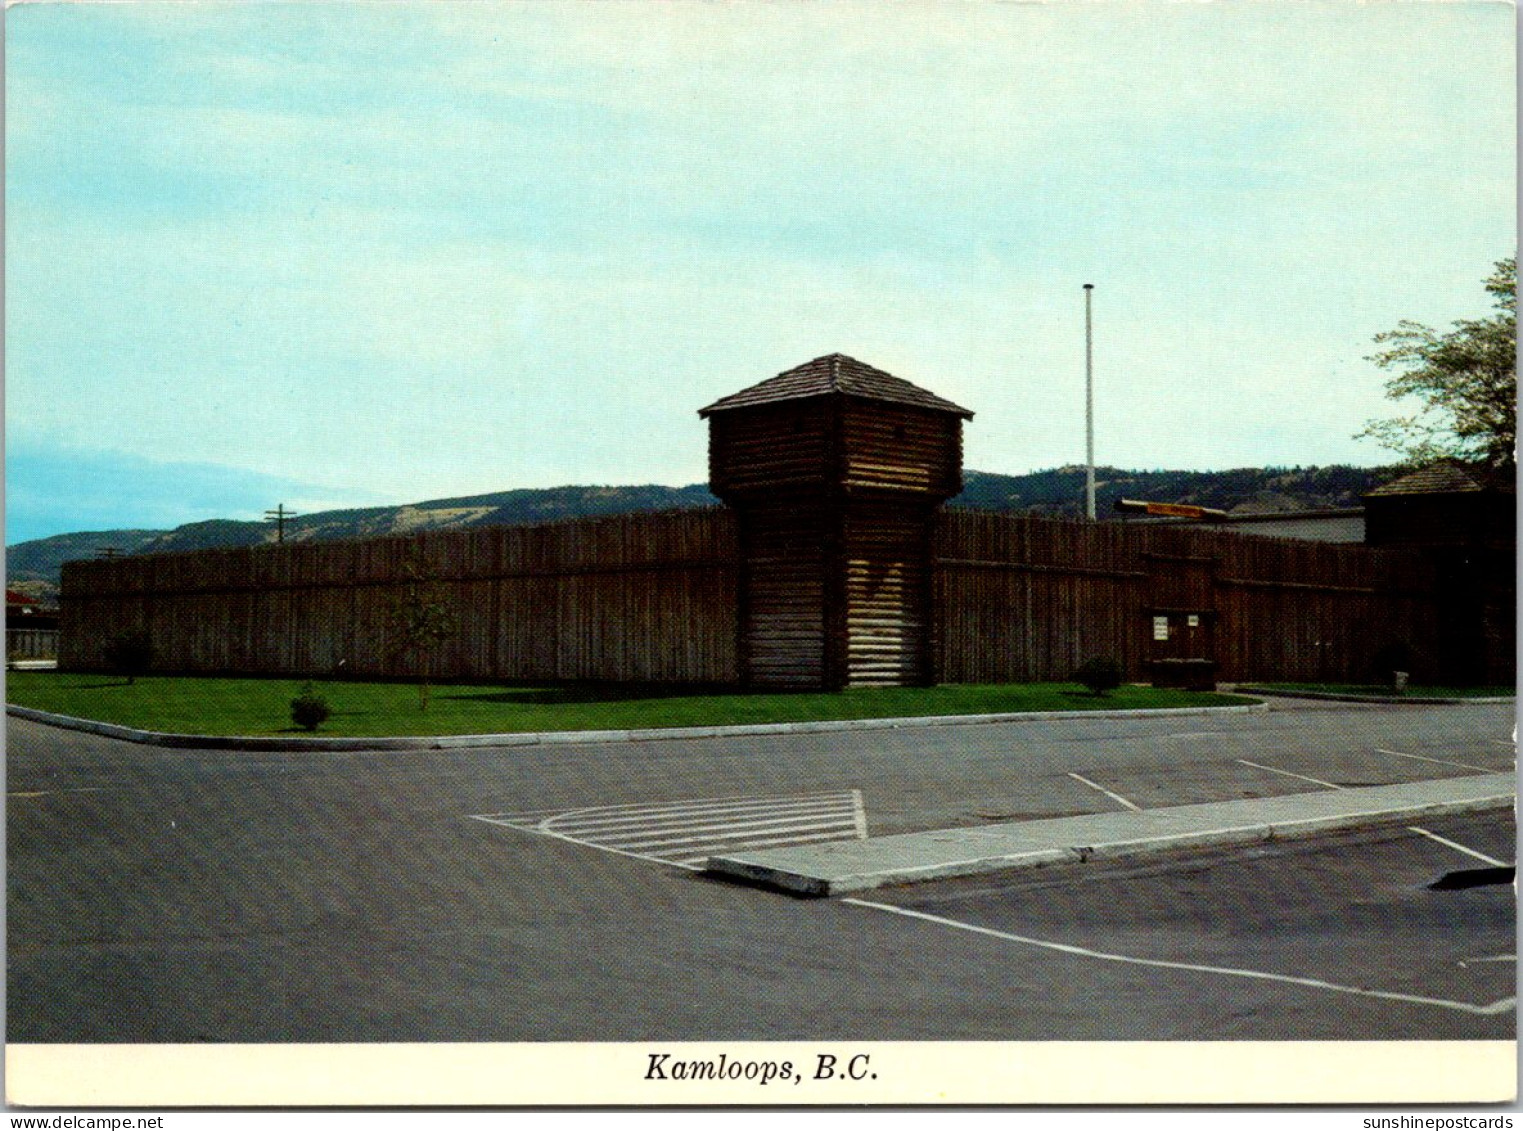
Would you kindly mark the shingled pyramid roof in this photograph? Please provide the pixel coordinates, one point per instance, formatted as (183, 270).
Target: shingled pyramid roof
(1446, 478)
(835, 373)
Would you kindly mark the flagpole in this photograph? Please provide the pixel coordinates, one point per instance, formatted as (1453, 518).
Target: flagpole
(1089, 405)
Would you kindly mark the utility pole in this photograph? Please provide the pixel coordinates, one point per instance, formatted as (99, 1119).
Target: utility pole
(278, 516)
(1089, 404)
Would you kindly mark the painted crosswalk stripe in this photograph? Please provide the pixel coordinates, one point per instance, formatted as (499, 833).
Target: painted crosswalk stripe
(728, 833)
(694, 819)
(686, 833)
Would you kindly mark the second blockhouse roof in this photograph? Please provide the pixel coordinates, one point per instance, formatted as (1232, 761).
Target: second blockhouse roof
(831, 374)
(1446, 478)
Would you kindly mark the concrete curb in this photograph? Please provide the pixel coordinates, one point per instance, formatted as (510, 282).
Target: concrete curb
(555, 738)
(1341, 697)
(1156, 830)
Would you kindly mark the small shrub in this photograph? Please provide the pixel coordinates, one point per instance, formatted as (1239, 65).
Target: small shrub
(309, 709)
(130, 654)
(1099, 675)
(1388, 660)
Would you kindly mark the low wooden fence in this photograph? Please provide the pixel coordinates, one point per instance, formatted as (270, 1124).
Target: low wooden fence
(31, 644)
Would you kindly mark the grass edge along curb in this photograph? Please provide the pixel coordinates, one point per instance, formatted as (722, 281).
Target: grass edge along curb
(1349, 697)
(232, 707)
(528, 738)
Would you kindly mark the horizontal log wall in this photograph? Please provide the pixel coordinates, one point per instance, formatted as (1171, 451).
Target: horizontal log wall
(785, 595)
(886, 560)
(1018, 598)
(789, 445)
(633, 598)
(900, 448)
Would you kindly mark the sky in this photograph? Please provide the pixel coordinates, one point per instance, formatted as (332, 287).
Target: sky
(359, 254)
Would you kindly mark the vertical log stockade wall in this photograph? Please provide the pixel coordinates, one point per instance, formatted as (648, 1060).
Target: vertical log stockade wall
(638, 598)
(1021, 599)
(833, 564)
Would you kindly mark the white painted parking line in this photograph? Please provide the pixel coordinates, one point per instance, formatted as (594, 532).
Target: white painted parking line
(1481, 856)
(1413, 828)
(1439, 761)
(1116, 797)
(679, 832)
(513, 818)
(578, 821)
(56, 792)
(702, 858)
(724, 834)
(1489, 1008)
(1288, 774)
(1466, 963)
(615, 813)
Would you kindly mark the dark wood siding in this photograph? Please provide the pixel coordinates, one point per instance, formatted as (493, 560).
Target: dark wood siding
(789, 445)
(1019, 598)
(829, 595)
(635, 598)
(786, 550)
(891, 447)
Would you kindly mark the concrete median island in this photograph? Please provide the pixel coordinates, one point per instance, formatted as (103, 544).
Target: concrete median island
(841, 867)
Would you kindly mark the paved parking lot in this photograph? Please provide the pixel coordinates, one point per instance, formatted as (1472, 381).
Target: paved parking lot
(1351, 917)
(181, 895)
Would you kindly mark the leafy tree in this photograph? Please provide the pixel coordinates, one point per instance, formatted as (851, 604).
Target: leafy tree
(422, 618)
(1466, 379)
(130, 654)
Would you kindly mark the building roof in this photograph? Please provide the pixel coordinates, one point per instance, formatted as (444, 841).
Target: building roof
(13, 598)
(835, 373)
(1447, 478)
(1334, 524)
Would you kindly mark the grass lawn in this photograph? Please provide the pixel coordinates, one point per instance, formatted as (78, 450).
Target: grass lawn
(1414, 690)
(190, 705)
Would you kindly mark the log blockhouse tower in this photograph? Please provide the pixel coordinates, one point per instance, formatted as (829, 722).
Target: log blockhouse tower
(835, 470)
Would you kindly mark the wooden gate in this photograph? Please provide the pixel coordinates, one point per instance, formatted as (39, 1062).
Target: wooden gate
(1181, 620)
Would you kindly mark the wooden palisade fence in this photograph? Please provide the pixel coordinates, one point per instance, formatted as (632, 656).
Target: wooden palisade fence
(653, 598)
(1021, 598)
(640, 598)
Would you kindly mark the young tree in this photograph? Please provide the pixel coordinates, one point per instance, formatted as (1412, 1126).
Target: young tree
(1466, 380)
(422, 618)
(130, 654)
(309, 709)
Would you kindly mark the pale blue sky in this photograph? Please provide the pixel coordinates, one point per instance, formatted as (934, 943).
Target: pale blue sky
(343, 254)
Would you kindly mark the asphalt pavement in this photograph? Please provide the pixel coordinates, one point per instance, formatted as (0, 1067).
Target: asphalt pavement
(546, 894)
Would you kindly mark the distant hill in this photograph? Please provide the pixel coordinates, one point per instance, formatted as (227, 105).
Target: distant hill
(32, 567)
(1248, 489)
(1056, 492)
